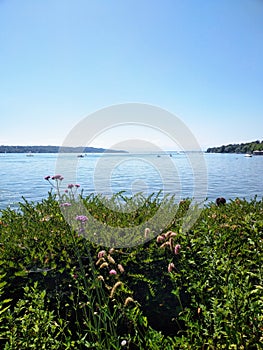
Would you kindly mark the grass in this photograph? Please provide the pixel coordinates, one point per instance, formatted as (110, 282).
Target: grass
(167, 287)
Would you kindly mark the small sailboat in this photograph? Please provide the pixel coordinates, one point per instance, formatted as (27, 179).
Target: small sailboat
(248, 155)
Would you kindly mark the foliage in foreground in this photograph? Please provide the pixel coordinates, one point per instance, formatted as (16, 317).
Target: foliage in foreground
(199, 289)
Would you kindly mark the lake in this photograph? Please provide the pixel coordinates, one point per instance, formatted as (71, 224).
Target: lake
(202, 176)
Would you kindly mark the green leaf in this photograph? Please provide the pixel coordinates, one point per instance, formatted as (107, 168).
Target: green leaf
(21, 273)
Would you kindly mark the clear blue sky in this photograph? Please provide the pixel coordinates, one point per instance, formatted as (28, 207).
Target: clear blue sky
(61, 60)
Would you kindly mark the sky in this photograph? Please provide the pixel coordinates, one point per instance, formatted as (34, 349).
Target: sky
(62, 61)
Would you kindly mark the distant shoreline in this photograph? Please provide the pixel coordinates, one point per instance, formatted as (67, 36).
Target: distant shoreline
(56, 149)
(248, 147)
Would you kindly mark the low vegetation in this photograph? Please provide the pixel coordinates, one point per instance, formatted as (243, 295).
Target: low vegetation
(199, 288)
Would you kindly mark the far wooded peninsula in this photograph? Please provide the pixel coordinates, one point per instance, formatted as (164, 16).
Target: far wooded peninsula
(55, 149)
(248, 147)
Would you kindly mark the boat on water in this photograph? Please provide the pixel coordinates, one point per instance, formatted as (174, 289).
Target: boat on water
(29, 154)
(258, 153)
(248, 155)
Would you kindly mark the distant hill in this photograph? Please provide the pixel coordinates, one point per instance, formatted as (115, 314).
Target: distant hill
(248, 147)
(55, 149)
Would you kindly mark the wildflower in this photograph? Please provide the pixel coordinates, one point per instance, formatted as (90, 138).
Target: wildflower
(177, 249)
(100, 261)
(220, 201)
(70, 186)
(111, 260)
(81, 218)
(75, 276)
(116, 285)
(124, 342)
(47, 177)
(57, 177)
(111, 251)
(146, 232)
(105, 264)
(101, 254)
(77, 185)
(66, 204)
(173, 234)
(167, 234)
(171, 267)
(128, 300)
(101, 278)
(120, 267)
(165, 244)
(112, 272)
(160, 239)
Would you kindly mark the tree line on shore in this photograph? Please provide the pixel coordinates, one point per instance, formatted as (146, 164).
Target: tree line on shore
(248, 147)
(52, 149)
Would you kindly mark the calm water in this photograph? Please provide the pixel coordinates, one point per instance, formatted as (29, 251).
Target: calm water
(198, 176)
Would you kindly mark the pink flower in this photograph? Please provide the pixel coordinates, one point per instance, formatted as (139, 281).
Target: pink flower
(101, 254)
(160, 239)
(65, 204)
(113, 272)
(172, 234)
(57, 177)
(77, 185)
(70, 185)
(171, 267)
(47, 177)
(81, 218)
(177, 249)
